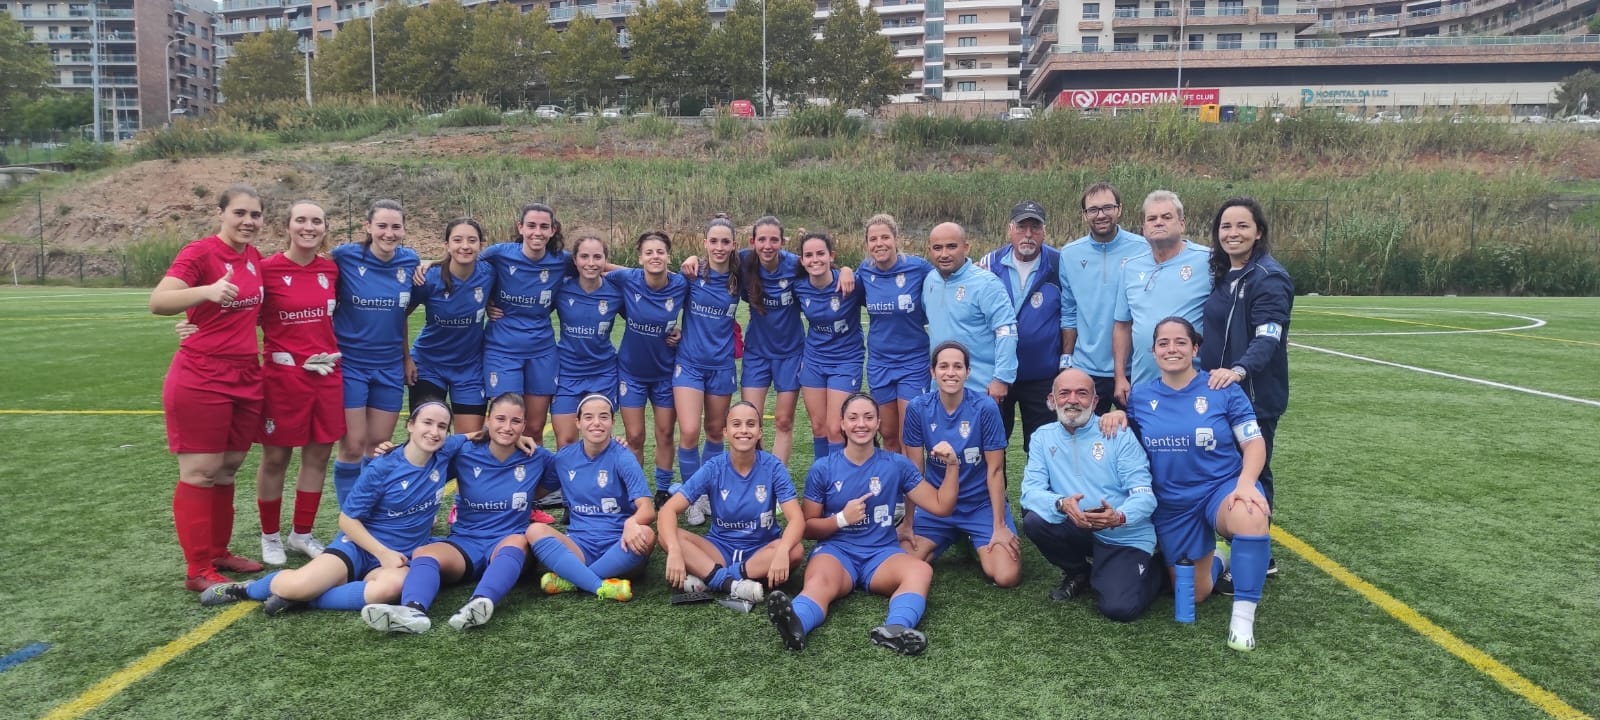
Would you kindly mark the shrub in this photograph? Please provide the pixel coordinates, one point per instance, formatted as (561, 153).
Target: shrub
(475, 115)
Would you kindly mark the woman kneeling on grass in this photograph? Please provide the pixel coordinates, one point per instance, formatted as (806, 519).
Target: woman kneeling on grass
(496, 481)
(746, 485)
(609, 513)
(849, 506)
(388, 514)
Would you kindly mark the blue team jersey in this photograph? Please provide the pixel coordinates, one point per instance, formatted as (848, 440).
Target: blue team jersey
(651, 315)
(1192, 436)
(833, 337)
(601, 490)
(834, 481)
(973, 429)
(493, 497)
(708, 322)
(524, 290)
(743, 507)
(585, 349)
(777, 333)
(897, 333)
(397, 501)
(1091, 279)
(1151, 291)
(370, 319)
(452, 336)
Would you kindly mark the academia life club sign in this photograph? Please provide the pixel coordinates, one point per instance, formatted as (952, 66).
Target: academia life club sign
(1141, 97)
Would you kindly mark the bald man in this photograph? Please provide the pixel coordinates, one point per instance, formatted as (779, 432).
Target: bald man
(1086, 496)
(967, 304)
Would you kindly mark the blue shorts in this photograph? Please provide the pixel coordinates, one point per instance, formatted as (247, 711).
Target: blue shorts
(383, 389)
(889, 384)
(1190, 530)
(595, 546)
(782, 374)
(523, 376)
(735, 553)
(859, 564)
(716, 382)
(633, 393)
(358, 562)
(977, 524)
(477, 552)
(464, 383)
(575, 389)
(845, 378)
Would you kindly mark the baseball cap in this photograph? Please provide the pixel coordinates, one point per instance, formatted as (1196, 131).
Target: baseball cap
(1027, 210)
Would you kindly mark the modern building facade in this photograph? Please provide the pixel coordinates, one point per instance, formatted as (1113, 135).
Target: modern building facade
(150, 59)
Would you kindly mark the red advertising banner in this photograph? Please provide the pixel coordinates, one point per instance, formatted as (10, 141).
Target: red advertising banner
(1140, 97)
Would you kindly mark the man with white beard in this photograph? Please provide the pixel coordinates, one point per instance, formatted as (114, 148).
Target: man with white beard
(1087, 497)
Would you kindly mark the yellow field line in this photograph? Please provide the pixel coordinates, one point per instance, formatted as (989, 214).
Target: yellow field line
(1449, 327)
(151, 662)
(1481, 661)
(80, 412)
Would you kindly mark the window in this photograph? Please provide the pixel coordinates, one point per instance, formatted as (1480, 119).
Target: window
(934, 74)
(967, 86)
(1163, 8)
(967, 42)
(1230, 41)
(1127, 10)
(81, 77)
(934, 52)
(1269, 40)
(966, 64)
(1091, 11)
(1161, 42)
(1197, 7)
(1230, 7)
(1125, 43)
(966, 19)
(1091, 43)
(325, 13)
(1269, 7)
(1197, 42)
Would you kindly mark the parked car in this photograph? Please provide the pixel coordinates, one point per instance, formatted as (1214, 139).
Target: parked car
(1536, 119)
(709, 112)
(549, 112)
(1019, 113)
(742, 109)
(1583, 119)
(583, 116)
(781, 112)
(611, 113)
(856, 113)
(1386, 116)
(642, 114)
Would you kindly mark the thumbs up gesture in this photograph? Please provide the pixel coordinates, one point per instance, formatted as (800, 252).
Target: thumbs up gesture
(223, 290)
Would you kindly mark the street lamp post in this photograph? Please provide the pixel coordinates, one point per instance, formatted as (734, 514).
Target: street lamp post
(305, 49)
(166, 75)
(372, 48)
(766, 101)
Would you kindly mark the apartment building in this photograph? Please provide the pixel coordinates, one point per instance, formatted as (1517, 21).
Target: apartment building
(1426, 18)
(150, 59)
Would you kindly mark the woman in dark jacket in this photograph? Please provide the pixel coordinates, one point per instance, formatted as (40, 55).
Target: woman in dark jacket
(1247, 317)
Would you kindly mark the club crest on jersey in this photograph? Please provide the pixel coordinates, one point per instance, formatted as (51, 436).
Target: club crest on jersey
(602, 478)
(603, 306)
(961, 293)
(399, 275)
(544, 276)
(287, 281)
(434, 476)
(900, 280)
(477, 294)
(761, 493)
(494, 379)
(227, 267)
(322, 280)
(1097, 451)
(724, 494)
(521, 473)
(834, 304)
(251, 266)
(783, 283)
(875, 485)
(1200, 405)
(271, 426)
(1037, 300)
(476, 471)
(1185, 272)
(966, 429)
(667, 304)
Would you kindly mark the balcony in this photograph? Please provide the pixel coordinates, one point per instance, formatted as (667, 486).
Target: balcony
(1046, 12)
(908, 53)
(1226, 17)
(1414, 18)
(980, 95)
(953, 5)
(902, 31)
(117, 59)
(242, 5)
(603, 10)
(1013, 27)
(983, 50)
(898, 8)
(984, 70)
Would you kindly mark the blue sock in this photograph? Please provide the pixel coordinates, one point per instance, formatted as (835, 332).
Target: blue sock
(809, 613)
(688, 463)
(349, 596)
(260, 588)
(663, 480)
(906, 609)
(819, 448)
(617, 562)
(344, 477)
(834, 447)
(501, 574)
(556, 556)
(422, 583)
(736, 571)
(720, 579)
(712, 450)
(1251, 553)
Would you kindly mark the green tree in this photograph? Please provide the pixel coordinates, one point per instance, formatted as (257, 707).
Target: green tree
(506, 54)
(1571, 94)
(790, 47)
(54, 112)
(27, 69)
(855, 65)
(426, 70)
(671, 55)
(342, 63)
(587, 61)
(265, 67)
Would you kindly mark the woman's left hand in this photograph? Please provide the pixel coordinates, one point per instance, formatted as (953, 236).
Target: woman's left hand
(778, 574)
(673, 337)
(847, 281)
(636, 538)
(411, 371)
(1252, 498)
(1221, 378)
(383, 448)
(1113, 422)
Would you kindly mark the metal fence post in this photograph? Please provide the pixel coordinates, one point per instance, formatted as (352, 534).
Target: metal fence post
(1472, 227)
(38, 200)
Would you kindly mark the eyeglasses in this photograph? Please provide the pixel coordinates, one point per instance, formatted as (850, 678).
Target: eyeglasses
(1101, 210)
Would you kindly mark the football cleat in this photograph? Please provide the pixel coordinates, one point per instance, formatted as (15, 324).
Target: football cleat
(305, 544)
(236, 564)
(899, 638)
(554, 584)
(272, 549)
(780, 610)
(615, 589)
(204, 579)
(396, 618)
(476, 612)
(746, 590)
(223, 593)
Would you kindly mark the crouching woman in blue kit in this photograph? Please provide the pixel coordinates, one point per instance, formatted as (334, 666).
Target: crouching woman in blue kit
(388, 514)
(849, 507)
(608, 535)
(1206, 454)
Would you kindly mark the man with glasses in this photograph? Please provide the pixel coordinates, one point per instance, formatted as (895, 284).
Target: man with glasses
(1172, 279)
(1090, 277)
(1027, 271)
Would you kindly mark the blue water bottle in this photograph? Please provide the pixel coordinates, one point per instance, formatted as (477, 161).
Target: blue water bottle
(1183, 591)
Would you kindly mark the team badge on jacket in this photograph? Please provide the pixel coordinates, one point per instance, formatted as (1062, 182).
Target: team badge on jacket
(961, 293)
(1186, 272)
(1097, 450)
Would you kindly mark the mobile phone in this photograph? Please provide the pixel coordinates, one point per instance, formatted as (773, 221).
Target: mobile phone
(1102, 508)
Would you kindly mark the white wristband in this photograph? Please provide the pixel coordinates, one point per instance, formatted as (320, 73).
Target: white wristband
(838, 517)
(1066, 361)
